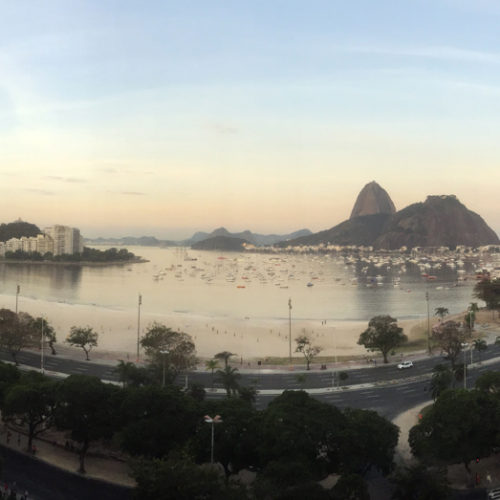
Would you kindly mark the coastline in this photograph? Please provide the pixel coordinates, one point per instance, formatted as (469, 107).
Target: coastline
(248, 338)
(137, 260)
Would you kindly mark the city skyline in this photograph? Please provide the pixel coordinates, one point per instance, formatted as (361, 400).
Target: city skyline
(163, 120)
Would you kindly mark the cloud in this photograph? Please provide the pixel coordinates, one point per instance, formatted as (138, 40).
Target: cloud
(40, 191)
(128, 193)
(430, 52)
(72, 180)
(222, 128)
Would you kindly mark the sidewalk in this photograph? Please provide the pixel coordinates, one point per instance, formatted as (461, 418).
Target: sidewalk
(51, 449)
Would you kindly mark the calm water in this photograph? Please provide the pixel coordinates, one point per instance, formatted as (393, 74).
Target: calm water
(212, 286)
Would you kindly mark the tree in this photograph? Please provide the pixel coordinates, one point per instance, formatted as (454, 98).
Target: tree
(302, 429)
(16, 332)
(229, 379)
(212, 365)
(480, 345)
(224, 356)
(85, 338)
(178, 478)
(420, 483)
(41, 324)
(449, 336)
(155, 420)
(9, 376)
(459, 427)
(488, 291)
(85, 407)
(368, 440)
(441, 312)
(489, 382)
(383, 334)
(350, 487)
(32, 400)
(131, 375)
(166, 347)
(442, 378)
(309, 351)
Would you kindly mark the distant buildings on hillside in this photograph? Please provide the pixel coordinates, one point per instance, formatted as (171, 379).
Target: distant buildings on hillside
(57, 240)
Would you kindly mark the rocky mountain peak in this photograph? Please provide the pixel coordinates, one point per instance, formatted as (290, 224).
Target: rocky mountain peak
(372, 200)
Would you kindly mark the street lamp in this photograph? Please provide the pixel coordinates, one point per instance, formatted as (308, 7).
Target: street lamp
(138, 324)
(42, 353)
(18, 290)
(212, 421)
(335, 356)
(164, 353)
(290, 329)
(428, 324)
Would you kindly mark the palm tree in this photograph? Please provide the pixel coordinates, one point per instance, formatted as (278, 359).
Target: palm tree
(224, 355)
(229, 379)
(480, 345)
(441, 312)
(212, 365)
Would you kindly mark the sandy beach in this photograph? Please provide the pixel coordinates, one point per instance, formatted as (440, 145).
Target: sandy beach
(247, 337)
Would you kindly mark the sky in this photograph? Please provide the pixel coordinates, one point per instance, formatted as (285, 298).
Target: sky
(167, 117)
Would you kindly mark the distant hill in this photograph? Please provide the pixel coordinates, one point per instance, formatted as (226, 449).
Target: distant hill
(439, 221)
(223, 243)
(18, 229)
(253, 238)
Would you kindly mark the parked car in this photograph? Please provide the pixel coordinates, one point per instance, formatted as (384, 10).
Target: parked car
(405, 364)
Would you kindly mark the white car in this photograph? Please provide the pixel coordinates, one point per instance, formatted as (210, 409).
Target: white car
(405, 364)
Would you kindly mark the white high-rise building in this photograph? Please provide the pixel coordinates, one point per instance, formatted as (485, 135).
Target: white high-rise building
(66, 240)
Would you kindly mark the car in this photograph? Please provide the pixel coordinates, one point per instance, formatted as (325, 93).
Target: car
(494, 494)
(405, 364)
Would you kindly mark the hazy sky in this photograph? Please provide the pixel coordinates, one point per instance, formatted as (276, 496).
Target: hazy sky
(166, 117)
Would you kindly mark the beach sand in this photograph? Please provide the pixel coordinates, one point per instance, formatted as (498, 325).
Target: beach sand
(249, 338)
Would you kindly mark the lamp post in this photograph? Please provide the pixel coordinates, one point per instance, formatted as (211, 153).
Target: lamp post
(290, 329)
(138, 324)
(335, 356)
(18, 290)
(212, 421)
(164, 353)
(428, 324)
(41, 350)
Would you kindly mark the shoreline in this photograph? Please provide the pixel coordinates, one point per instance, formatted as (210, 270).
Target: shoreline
(137, 260)
(248, 338)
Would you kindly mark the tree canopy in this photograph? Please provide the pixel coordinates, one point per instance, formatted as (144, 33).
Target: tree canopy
(383, 334)
(488, 291)
(86, 338)
(306, 347)
(449, 336)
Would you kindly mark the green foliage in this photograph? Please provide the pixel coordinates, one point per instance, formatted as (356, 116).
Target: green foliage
(442, 379)
(460, 426)
(179, 478)
(175, 349)
(32, 400)
(9, 375)
(350, 487)
(131, 375)
(368, 440)
(480, 345)
(224, 356)
(155, 420)
(17, 332)
(236, 438)
(85, 407)
(41, 324)
(296, 426)
(85, 338)
(383, 334)
(441, 312)
(229, 379)
(488, 291)
(420, 483)
(310, 351)
(489, 382)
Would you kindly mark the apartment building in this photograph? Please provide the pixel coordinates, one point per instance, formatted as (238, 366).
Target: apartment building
(56, 239)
